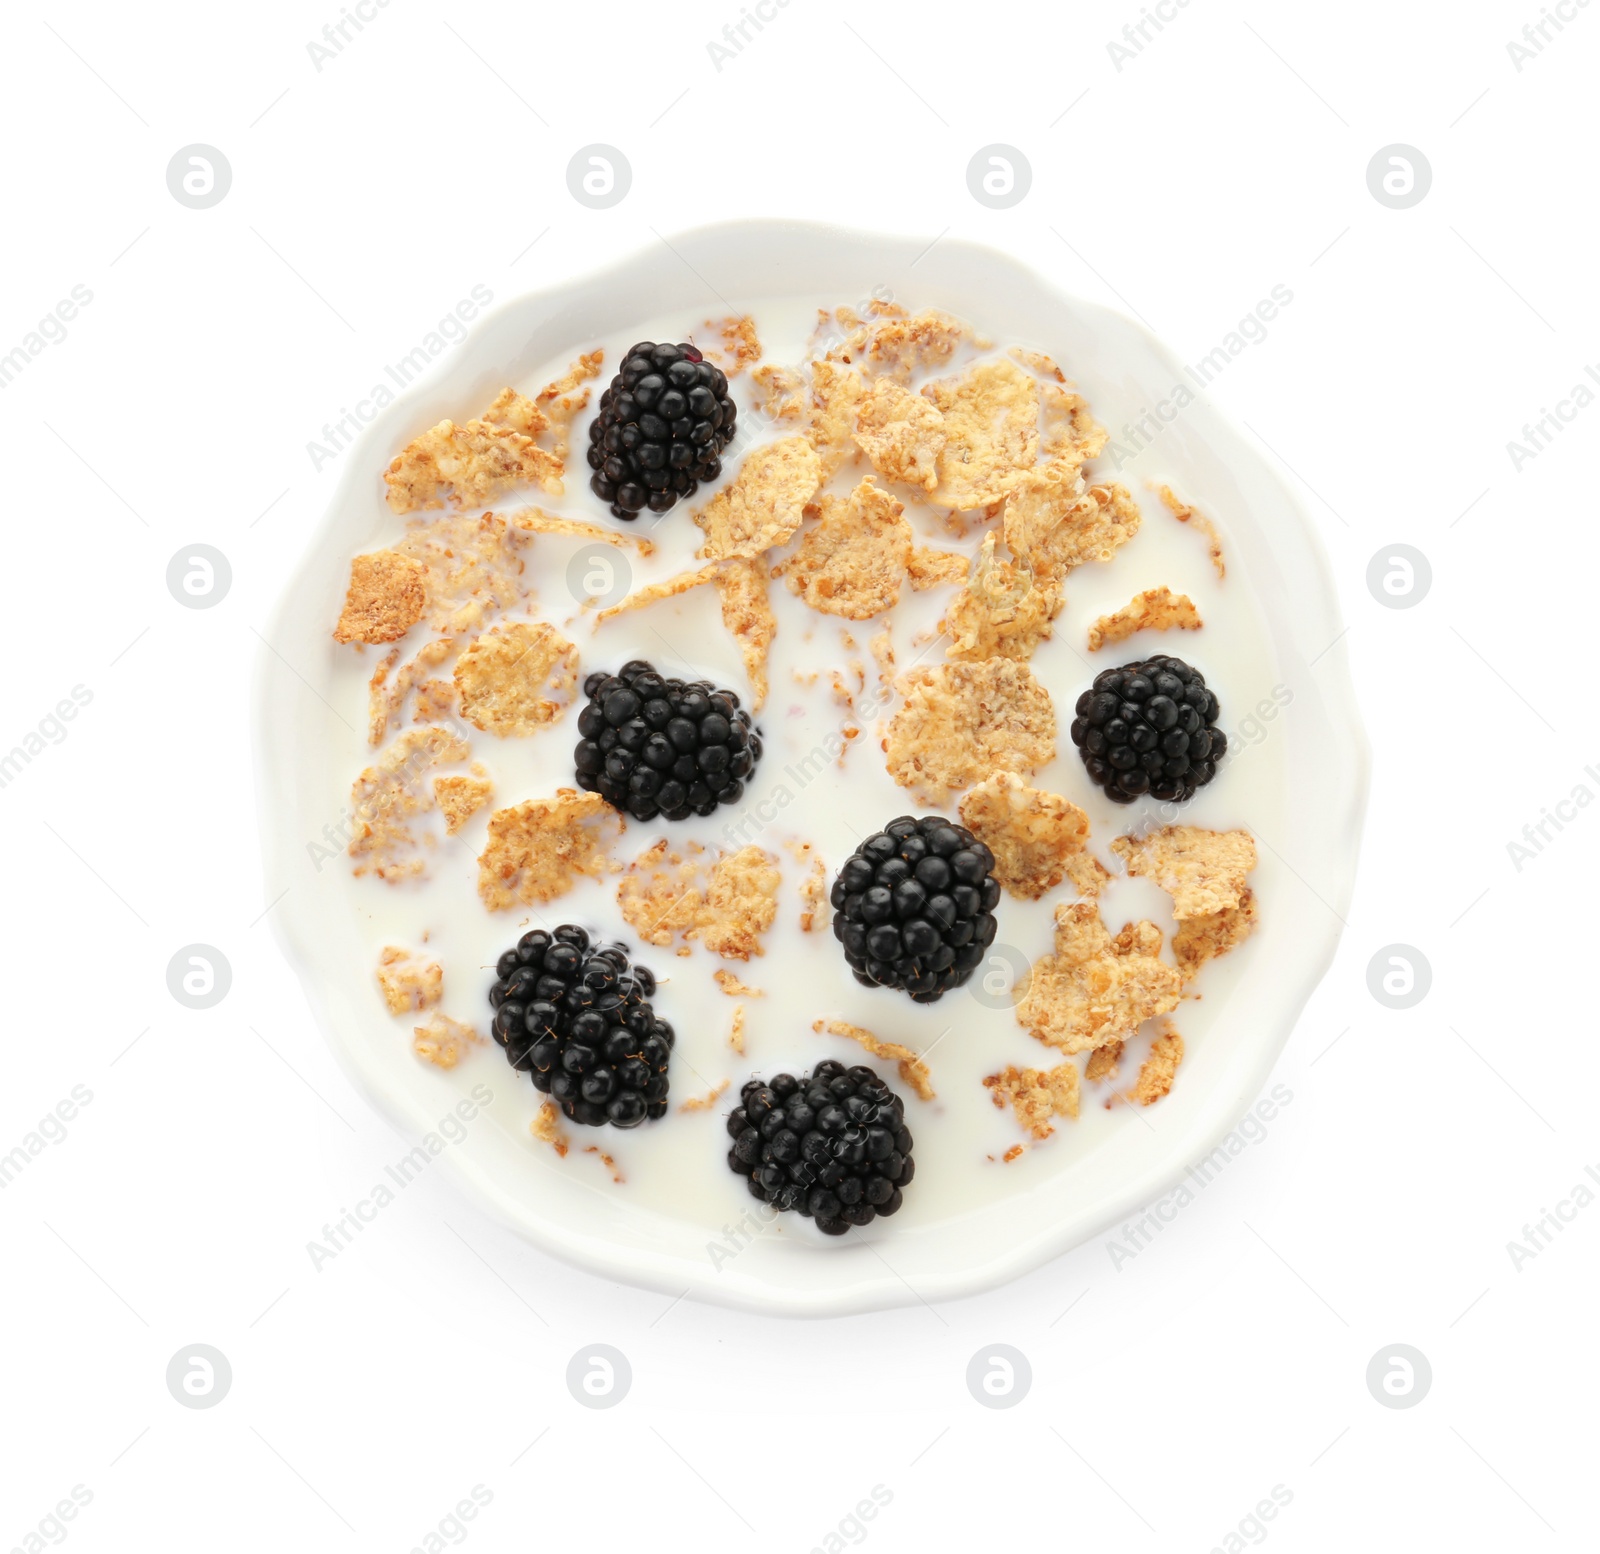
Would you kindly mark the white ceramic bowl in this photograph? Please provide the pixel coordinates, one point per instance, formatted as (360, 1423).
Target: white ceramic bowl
(1119, 367)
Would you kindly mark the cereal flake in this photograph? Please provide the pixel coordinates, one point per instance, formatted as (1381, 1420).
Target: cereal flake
(1203, 871)
(539, 849)
(747, 612)
(931, 568)
(443, 1041)
(911, 1067)
(1032, 834)
(460, 798)
(516, 678)
(1036, 1096)
(991, 422)
(386, 598)
(854, 559)
(1197, 519)
(902, 434)
(546, 1127)
(473, 464)
(1156, 609)
(730, 984)
(389, 794)
(1159, 1069)
(1003, 612)
(704, 1103)
(408, 982)
(1204, 938)
(1054, 522)
(763, 504)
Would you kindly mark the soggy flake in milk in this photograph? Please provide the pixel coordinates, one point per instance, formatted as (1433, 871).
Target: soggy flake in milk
(901, 433)
(1102, 1064)
(836, 395)
(1032, 834)
(910, 1067)
(1002, 612)
(1054, 522)
(436, 702)
(546, 1127)
(740, 346)
(471, 465)
(443, 1041)
(539, 849)
(1036, 1096)
(763, 504)
(743, 592)
(408, 982)
(736, 1030)
(460, 798)
(704, 1103)
(727, 902)
(893, 344)
(387, 797)
(991, 423)
(1203, 871)
(1160, 1068)
(730, 984)
(516, 678)
(475, 568)
(386, 699)
(1204, 938)
(1095, 989)
(960, 722)
(386, 598)
(1070, 434)
(785, 392)
(852, 561)
(931, 568)
(559, 404)
(1196, 520)
(534, 520)
(1156, 609)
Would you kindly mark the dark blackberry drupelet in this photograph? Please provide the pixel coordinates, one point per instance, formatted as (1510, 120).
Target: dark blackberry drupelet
(914, 906)
(653, 746)
(832, 1144)
(577, 1017)
(663, 423)
(1150, 727)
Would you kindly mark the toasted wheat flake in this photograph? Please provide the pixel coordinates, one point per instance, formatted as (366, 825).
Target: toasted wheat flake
(1036, 1096)
(747, 612)
(386, 699)
(736, 1031)
(1032, 834)
(474, 567)
(740, 348)
(559, 404)
(1159, 1069)
(443, 1041)
(897, 345)
(1156, 609)
(408, 982)
(1071, 435)
(1198, 520)
(1203, 871)
(1053, 522)
(1102, 1064)
(667, 588)
(911, 1067)
(961, 722)
(661, 894)
(1093, 990)
(902, 434)
(836, 395)
(1204, 938)
(730, 984)
(534, 520)
(516, 678)
(539, 849)
(726, 903)
(785, 395)
(546, 1127)
(933, 568)
(1003, 612)
(853, 560)
(460, 798)
(436, 701)
(1088, 875)
(763, 504)
(473, 464)
(386, 598)
(704, 1103)
(389, 794)
(991, 422)
(741, 903)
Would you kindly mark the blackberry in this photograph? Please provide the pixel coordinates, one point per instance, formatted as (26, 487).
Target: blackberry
(914, 906)
(653, 746)
(832, 1144)
(578, 1018)
(1150, 727)
(663, 422)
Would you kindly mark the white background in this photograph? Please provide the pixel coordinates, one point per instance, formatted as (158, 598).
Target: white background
(1169, 1396)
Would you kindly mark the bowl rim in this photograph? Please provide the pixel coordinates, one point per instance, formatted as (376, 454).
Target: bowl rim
(1349, 775)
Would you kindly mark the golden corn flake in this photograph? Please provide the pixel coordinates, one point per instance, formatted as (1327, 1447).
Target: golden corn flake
(460, 798)
(386, 598)
(1203, 871)
(911, 1068)
(747, 613)
(731, 985)
(1036, 1096)
(836, 395)
(784, 392)
(538, 850)
(1158, 1070)
(852, 561)
(1156, 609)
(704, 1103)
(961, 722)
(386, 699)
(387, 796)
(516, 678)
(1071, 435)
(763, 504)
(991, 422)
(474, 568)
(546, 1127)
(901, 433)
(475, 463)
(534, 520)
(408, 982)
(1094, 990)
(1193, 516)
(1053, 522)
(1032, 834)
(932, 568)
(443, 1041)
(740, 347)
(1202, 939)
(1103, 1062)
(1003, 612)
